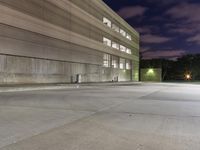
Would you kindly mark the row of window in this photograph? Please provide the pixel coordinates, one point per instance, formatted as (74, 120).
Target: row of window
(115, 45)
(108, 23)
(116, 62)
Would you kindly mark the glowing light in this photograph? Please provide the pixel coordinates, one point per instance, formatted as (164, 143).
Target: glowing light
(188, 76)
(150, 72)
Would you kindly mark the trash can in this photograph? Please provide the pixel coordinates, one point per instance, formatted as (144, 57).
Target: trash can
(116, 79)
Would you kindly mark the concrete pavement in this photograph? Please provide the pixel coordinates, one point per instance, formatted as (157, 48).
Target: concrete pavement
(146, 116)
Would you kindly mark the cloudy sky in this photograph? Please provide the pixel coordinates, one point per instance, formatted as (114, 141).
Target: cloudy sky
(168, 28)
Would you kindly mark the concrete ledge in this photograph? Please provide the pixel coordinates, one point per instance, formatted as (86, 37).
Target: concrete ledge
(34, 87)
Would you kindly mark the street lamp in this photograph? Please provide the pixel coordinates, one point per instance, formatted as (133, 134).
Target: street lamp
(188, 76)
(150, 72)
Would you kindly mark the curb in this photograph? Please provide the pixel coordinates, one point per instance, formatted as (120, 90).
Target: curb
(36, 88)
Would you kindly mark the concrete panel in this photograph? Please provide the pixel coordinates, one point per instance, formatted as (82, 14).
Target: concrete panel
(32, 70)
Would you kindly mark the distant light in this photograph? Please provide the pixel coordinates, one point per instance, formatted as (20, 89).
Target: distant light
(188, 76)
(150, 71)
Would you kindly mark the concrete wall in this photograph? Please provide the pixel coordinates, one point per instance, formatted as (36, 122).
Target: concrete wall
(48, 41)
(151, 74)
(34, 70)
(14, 69)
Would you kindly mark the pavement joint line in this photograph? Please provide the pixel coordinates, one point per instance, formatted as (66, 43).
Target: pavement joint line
(52, 129)
(47, 108)
(170, 100)
(154, 92)
(154, 114)
(34, 134)
(83, 118)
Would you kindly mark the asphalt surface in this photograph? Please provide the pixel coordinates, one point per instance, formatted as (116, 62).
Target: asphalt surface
(146, 116)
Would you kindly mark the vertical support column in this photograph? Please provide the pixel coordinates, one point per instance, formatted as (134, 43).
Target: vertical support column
(135, 71)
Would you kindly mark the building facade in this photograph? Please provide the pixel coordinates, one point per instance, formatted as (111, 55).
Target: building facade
(60, 41)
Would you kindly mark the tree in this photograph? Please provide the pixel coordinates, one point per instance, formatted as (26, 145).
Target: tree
(176, 70)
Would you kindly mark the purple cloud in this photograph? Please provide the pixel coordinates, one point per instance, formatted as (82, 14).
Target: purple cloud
(184, 30)
(144, 49)
(143, 30)
(131, 11)
(195, 39)
(170, 54)
(189, 20)
(154, 39)
(188, 11)
(162, 2)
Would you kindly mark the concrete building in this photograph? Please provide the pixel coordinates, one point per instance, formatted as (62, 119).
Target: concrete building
(56, 41)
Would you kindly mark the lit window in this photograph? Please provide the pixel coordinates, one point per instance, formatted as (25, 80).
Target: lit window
(107, 22)
(115, 45)
(106, 60)
(128, 36)
(115, 27)
(107, 41)
(115, 62)
(122, 48)
(123, 32)
(128, 64)
(122, 63)
(128, 51)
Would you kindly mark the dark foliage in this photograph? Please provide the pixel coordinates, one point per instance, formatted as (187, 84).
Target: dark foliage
(176, 70)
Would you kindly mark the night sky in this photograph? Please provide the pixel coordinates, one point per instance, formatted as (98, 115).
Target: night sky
(168, 28)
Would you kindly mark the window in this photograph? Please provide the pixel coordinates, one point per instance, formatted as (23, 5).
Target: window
(128, 64)
(128, 36)
(106, 60)
(123, 32)
(107, 41)
(115, 45)
(115, 27)
(115, 62)
(122, 63)
(128, 51)
(122, 48)
(107, 22)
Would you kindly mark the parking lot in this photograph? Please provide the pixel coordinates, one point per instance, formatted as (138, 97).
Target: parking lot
(143, 116)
